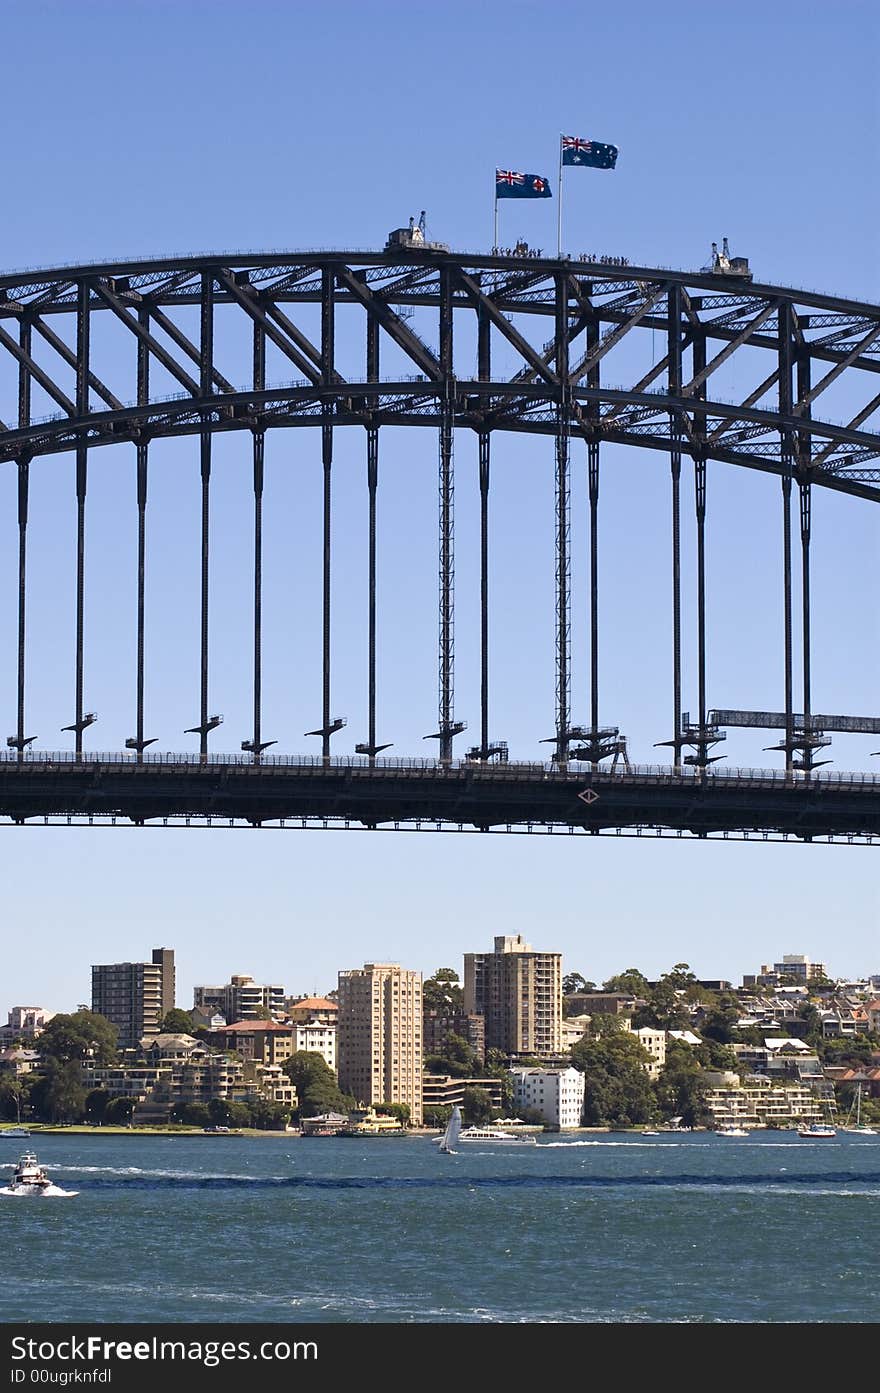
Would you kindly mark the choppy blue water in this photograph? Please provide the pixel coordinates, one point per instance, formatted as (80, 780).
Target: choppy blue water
(692, 1228)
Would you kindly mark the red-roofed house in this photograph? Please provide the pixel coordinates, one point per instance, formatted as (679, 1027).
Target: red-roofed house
(312, 1010)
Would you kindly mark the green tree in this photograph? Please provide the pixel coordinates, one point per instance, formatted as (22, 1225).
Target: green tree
(317, 1086)
(497, 1066)
(120, 1110)
(631, 982)
(14, 1091)
(266, 1115)
(57, 1093)
(77, 1036)
(720, 1024)
(606, 1023)
(176, 1022)
(219, 1111)
(437, 1116)
(813, 1022)
(574, 982)
(681, 1090)
(476, 1106)
(617, 1090)
(456, 1057)
(192, 1114)
(531, 1115)
(401, 1111)
(95, 1106)
(442, 992)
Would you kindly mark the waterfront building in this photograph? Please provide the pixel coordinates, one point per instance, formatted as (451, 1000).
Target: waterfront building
(179, 1069)
(518, 991)
(241, 999)
(756, 1102)
(445, 1090)
(557, 1094)
(380, 1035)
(135, 996)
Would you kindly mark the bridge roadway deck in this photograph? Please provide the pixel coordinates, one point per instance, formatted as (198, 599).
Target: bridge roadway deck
(421, 791)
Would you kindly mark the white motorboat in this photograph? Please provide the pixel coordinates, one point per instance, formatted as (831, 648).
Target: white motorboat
(731, 1131)
(496, 1135)
(29, 1175)
(15, 1132)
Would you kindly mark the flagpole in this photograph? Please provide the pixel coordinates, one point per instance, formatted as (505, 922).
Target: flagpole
(559, 210)
(495, 243)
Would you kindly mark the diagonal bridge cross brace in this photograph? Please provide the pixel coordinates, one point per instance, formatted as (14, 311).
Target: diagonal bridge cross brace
(393, 325)
(503, 324)
(252, 306)
(596, 354)
(121, 310)
(37, 373)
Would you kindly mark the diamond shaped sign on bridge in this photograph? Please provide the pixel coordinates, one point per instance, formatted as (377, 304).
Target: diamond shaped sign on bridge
(589, 795)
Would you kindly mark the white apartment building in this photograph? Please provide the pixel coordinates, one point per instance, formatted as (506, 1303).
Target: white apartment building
(317, 1039)
(557, 1094)
(654, 1041)
(758, 1103)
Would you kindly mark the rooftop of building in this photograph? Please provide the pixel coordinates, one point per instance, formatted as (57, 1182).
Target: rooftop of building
(253, 1027)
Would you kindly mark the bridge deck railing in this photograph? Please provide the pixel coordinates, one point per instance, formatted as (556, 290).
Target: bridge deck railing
(577, 771)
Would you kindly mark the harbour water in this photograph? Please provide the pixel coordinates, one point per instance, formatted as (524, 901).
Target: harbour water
(606, 1228)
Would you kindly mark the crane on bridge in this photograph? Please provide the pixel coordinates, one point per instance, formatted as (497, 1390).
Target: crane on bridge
(412, 238)
(723, 264)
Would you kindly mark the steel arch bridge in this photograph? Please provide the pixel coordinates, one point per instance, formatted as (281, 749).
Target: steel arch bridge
(567, 325)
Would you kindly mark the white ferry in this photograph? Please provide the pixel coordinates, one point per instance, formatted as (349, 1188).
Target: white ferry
(496, 1135)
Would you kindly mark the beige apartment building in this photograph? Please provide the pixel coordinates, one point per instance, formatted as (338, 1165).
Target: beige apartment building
(379, 1038)
(519, 993)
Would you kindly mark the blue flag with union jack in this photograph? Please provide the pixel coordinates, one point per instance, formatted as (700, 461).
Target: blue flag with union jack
(591, 153)
(509, 184)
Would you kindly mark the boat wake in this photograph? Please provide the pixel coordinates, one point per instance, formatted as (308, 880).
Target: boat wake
(49, 1192)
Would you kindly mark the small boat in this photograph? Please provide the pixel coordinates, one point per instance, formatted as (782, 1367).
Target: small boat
(731, 1131)
(816, 1129)
(15, 1132)
(452, 1133)
(496, 1135)
(29, 1175)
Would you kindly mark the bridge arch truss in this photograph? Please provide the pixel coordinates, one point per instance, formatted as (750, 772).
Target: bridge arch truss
(445, 322)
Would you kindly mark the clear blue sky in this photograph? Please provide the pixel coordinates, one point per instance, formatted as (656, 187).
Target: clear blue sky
(164, 128)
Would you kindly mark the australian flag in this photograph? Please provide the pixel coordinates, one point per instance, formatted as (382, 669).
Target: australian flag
(509, 184)
(588, 152)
